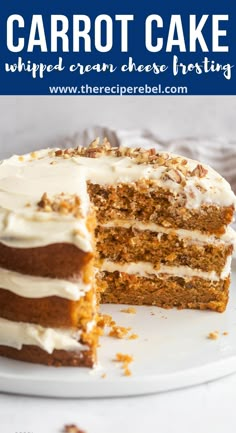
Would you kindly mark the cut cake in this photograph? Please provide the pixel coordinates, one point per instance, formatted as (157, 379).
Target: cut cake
(118, 225)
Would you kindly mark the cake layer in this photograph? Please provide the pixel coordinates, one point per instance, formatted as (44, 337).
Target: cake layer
(51, 311)
(193, 236)
(30, 286)
(121, 244)
(63, 261)
(146, 202)
(167, 292)
(85, 358)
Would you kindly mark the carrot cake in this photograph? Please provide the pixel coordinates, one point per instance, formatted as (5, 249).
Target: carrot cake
(116, 225)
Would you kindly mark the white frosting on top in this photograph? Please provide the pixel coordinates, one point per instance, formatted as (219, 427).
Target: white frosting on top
(193, 236)
(17, 334)
(30, 286)
(24, 180)
(147, 269)
(112, 170)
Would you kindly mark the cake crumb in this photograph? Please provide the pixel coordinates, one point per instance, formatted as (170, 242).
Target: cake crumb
(129, 310)
(133, 337)
(72, 428)
(103, 376)
(127, 371)
(125, 360)
(213, 335)
(119, 331)
(21, 158)
(225, 333)
(105, 320)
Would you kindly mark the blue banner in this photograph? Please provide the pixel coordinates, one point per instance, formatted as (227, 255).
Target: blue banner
(79, 47)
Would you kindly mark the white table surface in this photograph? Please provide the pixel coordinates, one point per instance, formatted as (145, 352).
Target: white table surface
(209, 408)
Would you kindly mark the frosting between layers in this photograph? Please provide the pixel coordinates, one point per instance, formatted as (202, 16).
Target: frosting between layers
(229, 237)
(24, 180)
(147, 269)
(30, 286)
(17, 334)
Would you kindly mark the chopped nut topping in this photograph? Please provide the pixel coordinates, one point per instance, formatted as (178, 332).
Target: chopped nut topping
(72, 428)
(62, 203)
(199, 171)
(141, 156)
(200, 188)
(173, 175)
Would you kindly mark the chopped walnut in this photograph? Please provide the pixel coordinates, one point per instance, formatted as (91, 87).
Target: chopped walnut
(199, 171)
(141, 156)
(173, 175)
(62, 203)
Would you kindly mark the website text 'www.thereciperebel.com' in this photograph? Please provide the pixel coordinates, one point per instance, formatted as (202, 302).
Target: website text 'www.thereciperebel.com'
(118, 89)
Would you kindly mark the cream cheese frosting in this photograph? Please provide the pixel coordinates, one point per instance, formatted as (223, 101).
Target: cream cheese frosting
(23, 180)
(147, 269)
(30, 286)
(17, 334)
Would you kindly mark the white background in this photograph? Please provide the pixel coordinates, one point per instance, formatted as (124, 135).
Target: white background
(29, 123)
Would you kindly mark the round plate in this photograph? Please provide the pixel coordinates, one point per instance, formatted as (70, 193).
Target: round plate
(172, 351)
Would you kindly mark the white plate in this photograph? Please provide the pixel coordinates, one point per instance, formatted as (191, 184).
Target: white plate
(172, 351)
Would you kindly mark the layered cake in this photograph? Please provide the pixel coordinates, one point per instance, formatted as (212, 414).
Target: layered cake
(116, 225)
